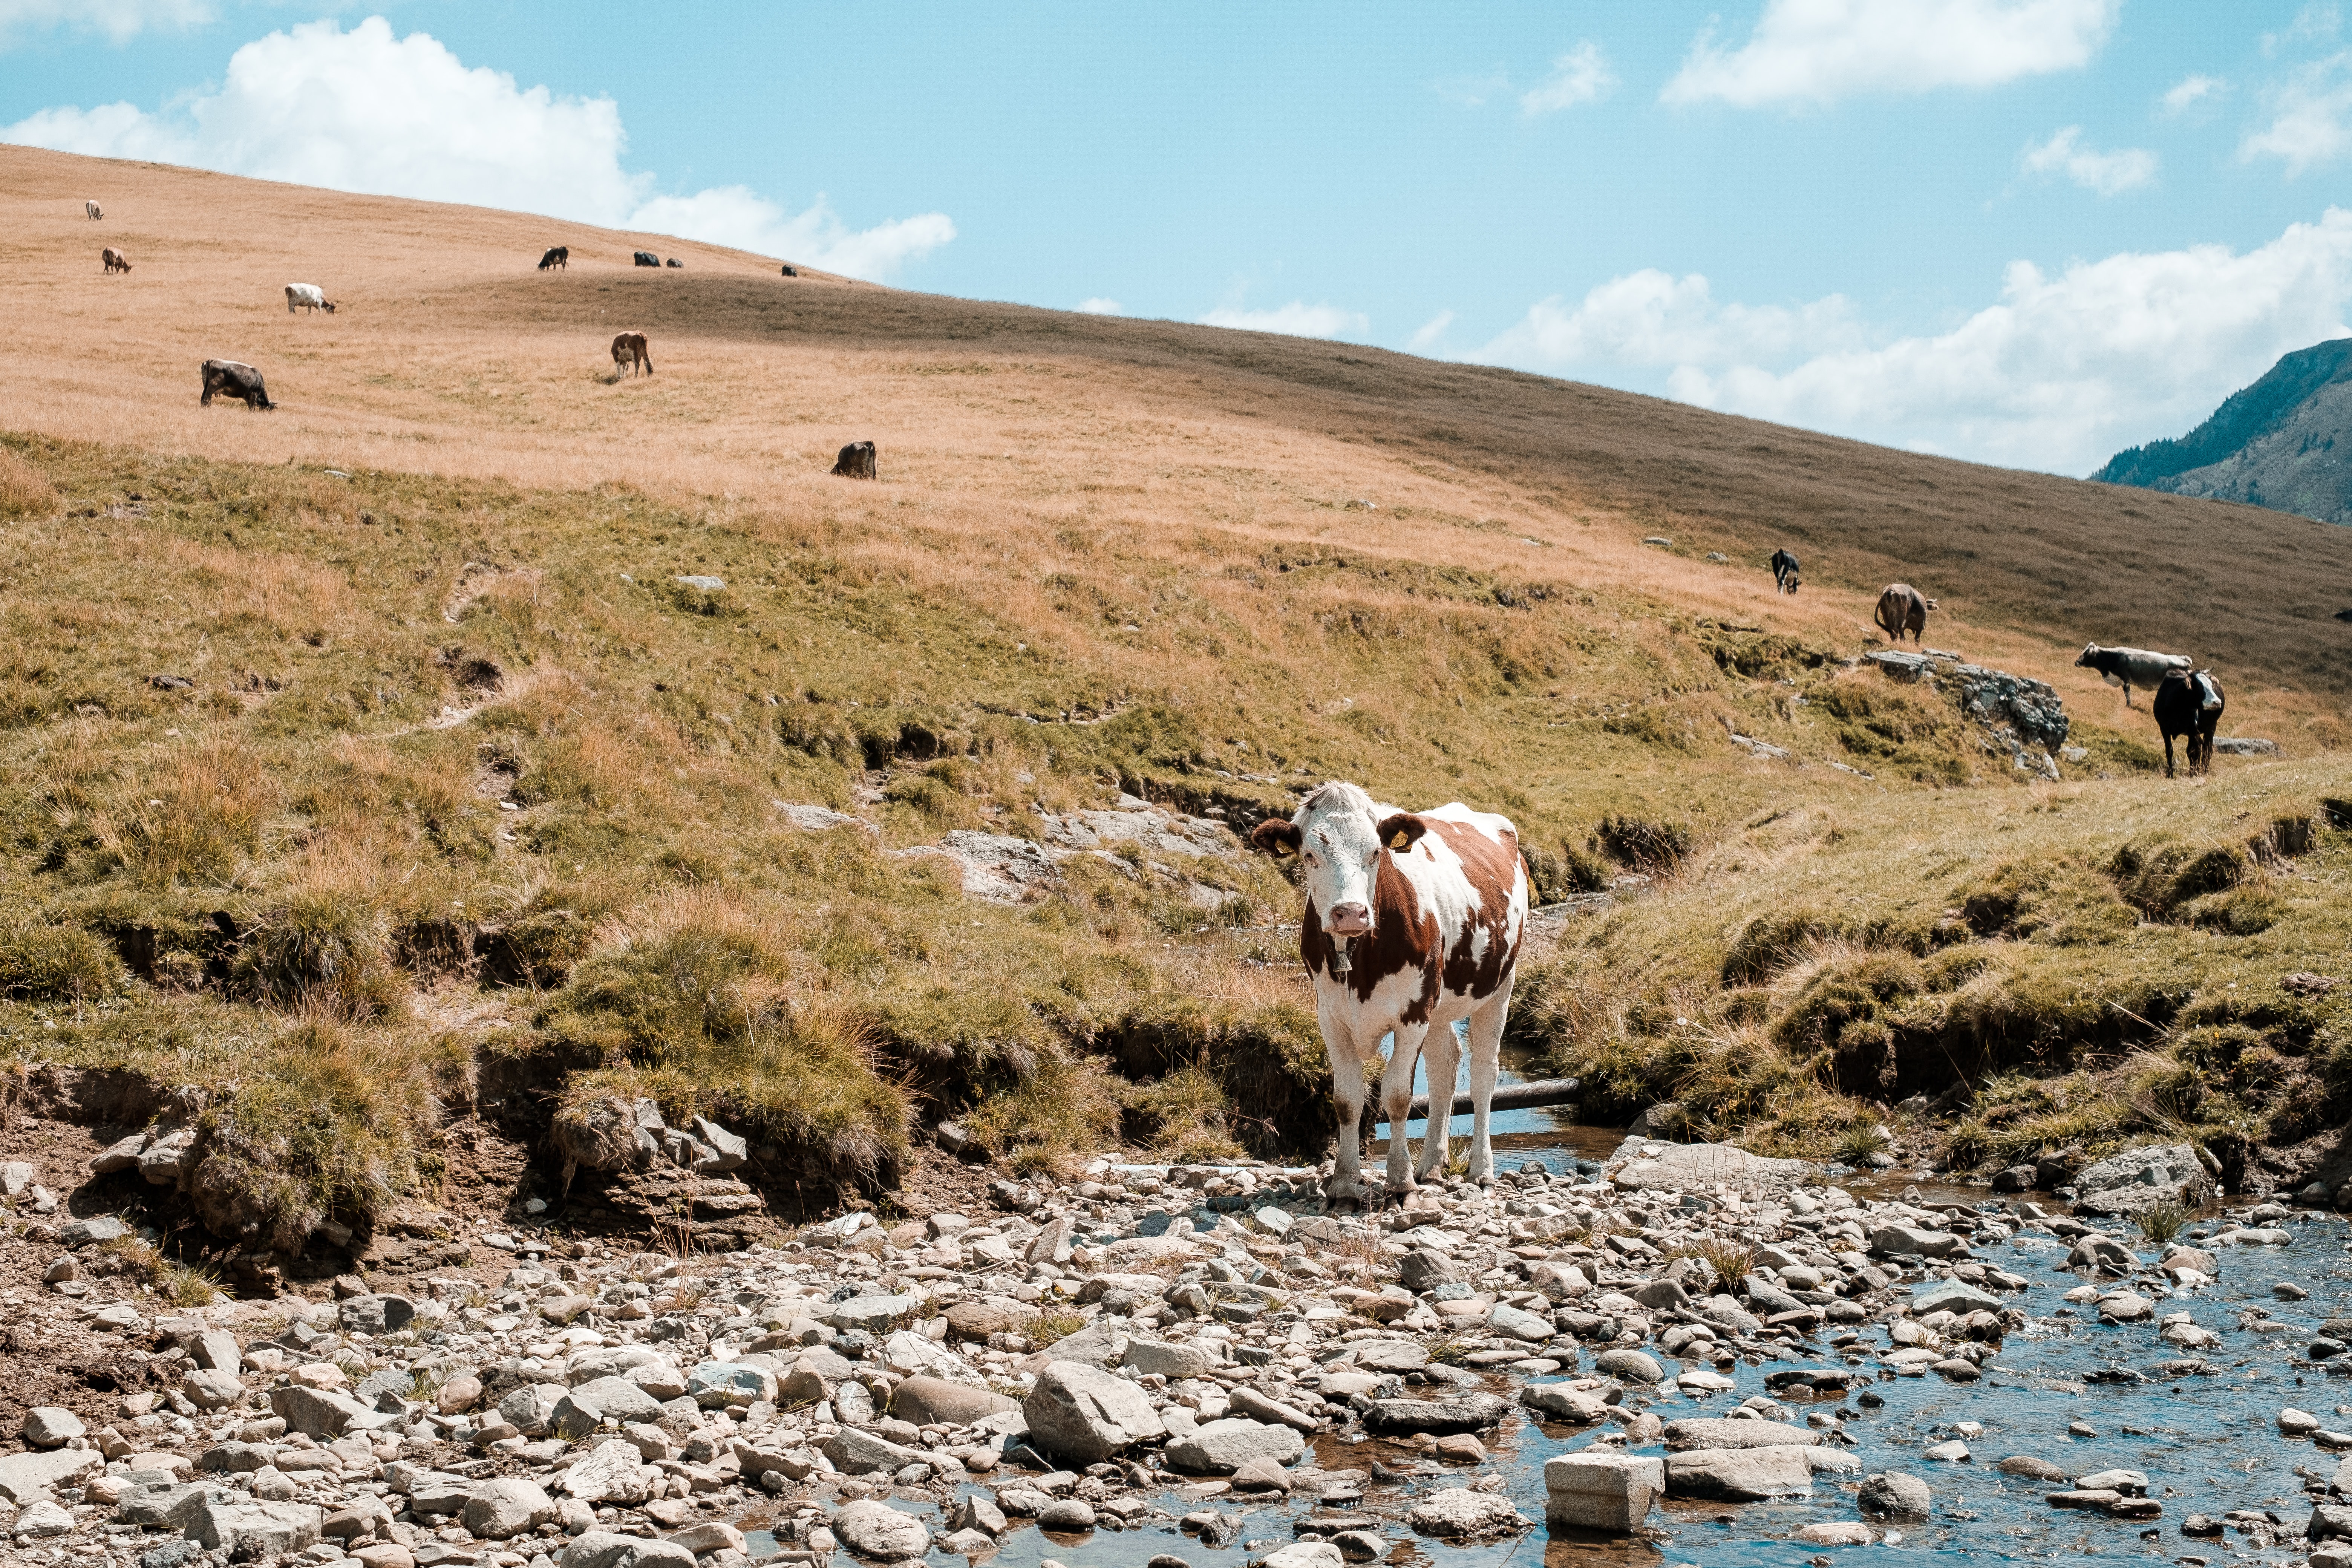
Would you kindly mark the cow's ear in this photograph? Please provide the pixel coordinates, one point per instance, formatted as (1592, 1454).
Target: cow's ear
(1277, 836)
(1402, 831)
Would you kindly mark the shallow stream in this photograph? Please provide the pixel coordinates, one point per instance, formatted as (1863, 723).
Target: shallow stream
(2208, 1443)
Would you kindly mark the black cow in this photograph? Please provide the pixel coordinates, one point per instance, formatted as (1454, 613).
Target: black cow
(791, 272)
(857, 461)
(647, 259)
(2189, 705)
(556, 256)
(232, 379)
(1784, 570)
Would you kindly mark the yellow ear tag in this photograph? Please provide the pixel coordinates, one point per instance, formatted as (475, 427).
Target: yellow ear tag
(1403, 840)
(1282, 850)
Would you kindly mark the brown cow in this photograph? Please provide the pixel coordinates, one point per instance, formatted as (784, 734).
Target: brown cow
(1903, 609)
(855, 462)
(115, 260)
(1414, 921)
(629, 353)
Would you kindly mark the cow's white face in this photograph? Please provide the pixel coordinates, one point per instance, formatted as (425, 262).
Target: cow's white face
(1338, 844)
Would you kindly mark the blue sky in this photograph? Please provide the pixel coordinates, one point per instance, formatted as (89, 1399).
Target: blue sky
(2025, 231)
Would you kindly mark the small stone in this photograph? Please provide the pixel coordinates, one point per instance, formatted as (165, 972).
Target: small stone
(49, 1426)
(1893, 1495)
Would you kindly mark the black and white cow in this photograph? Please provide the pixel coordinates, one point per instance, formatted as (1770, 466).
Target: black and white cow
(2130, 667)
(1414, 921)
(1784, 570)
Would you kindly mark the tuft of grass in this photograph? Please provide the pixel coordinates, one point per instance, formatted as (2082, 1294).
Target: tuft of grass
(2161, 1222)
(1728, 1264)
(1857, 1144)
(25, 490)
(1049, 1326)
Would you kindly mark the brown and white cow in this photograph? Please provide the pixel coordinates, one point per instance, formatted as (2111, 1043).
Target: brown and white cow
(114, 259)
(629, 354)
(1414, 921)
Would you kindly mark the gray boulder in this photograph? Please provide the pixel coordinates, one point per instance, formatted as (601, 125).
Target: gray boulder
(1719, 1433)
(856, 1453)
(506, 1505)
(1628, 1366)
(1083, 1414)
(322, 1413)
(376, 1314)
(925, 1400)
(1894, 1496)
(602, 1548)
(881, 1532)
(2139, 1179)
(1221, 1447)
(241, 1527)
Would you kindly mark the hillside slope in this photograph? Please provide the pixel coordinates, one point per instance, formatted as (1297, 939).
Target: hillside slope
(2271, 443)
(451, 355)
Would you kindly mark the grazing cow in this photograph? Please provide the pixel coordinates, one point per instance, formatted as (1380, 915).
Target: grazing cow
(231, 378)
(647, 259)
(2189, 705)
(556, 256)
(855, 462)
(673, 261)
(309, 296)
(1413, 922)
(2130, 666)
(114, 259)
(1903, 609)
(94, 211)
(791, 271)
(1784, 571)
(629, 353)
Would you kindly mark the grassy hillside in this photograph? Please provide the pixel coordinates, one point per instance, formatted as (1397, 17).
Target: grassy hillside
(369, 750)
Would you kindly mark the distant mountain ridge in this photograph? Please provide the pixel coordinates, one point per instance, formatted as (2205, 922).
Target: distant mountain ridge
(2273, 444)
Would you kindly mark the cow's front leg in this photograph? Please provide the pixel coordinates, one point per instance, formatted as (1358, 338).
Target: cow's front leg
(1396, 1099)
(1345, 1187)
(1443, 1050)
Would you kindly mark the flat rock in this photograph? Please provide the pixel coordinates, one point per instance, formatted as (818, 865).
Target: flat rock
(1083, 1414)
(1739, 1475)
(1720, 1433)
(925, 1400)
(1697, 1167)
(1457, 1512)
(1462, 1413)
(1221, 1447)
(878, 1531)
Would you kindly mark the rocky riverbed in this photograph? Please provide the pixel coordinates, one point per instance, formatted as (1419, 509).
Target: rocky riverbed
(1683, 1353)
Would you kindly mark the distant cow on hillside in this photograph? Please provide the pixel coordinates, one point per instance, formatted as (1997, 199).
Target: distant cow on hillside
(231, 378)
(629, 354)
(855, 462)
(309, 297)
(2189, 705)
(1903, 609)
(791, 272)
(673, 261)
(93, 211)
(2130, 667)
(556, 256)
(114, 259)
(1784, 571)
(647, 259)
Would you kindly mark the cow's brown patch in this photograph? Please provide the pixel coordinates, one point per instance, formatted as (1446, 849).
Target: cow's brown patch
(1403, 941)
(1492, 867)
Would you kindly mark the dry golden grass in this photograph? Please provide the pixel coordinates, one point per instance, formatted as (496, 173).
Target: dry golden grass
(1022, 445)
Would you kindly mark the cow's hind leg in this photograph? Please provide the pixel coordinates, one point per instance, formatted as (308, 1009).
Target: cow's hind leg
(1396, 1097)
(1486, 1065)
(1443, 1049)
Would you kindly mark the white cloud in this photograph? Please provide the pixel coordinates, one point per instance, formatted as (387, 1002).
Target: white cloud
(120, 20)
(2192, 90)
(1815, 52)
(2061, 372)
(1431, 331)
(2310, 116)
(363, 110)
(1099, 307)
(1581, 76)
(2065, 153)
(1298, 320)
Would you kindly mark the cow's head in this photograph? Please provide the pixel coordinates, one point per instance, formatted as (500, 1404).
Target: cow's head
(2090, 656)
(1338, 835)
